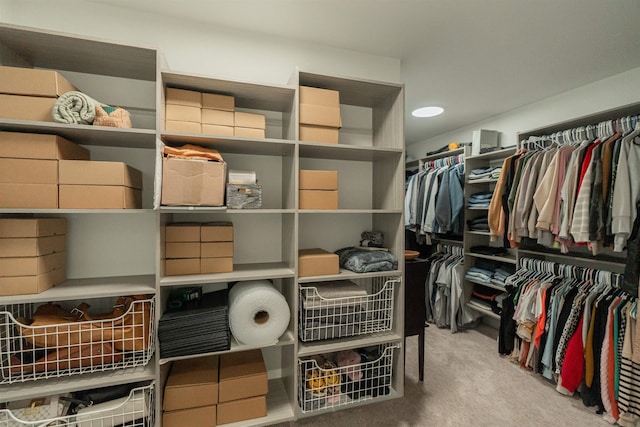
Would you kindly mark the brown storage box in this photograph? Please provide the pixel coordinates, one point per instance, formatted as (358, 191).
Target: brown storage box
(32, 227)
(216, 249)
(317, 262)
(178, 267)
(216, 265)
(182, 232)
(204, 416)
(217, 117)
(193, 182)
(243, 409)
(217, 130)
(318, 199)
(99, 197)
(218, 102)
(25, 285)
(216, 232)
(182, 250)
(320, 107)
(183, 113)
(26, 107)
(191, 383)
(85, 172)
(39, 146)
(250, 120)
(186, 127)
(318, 180)
(311, 133)
(27, 171)
(242, 375)
(32, 266)
(190, 98)
(31, 82)
(35, 196)
(248, 132)
(32, 246)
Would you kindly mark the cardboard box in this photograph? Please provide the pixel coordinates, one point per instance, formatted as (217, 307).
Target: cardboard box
(216, 232)
(19, 145)
(318, 180)
(216, 101)
(20, 107)
(182, 250)
(178, 267)
(85, 172)
(29, 196)
(28, 171)
(242, 375)
(32, 246)
(217, 117)
(311, 133)
(317, 262)
(250, 120)
(26, 285)
(248, 132)
(183, 113)
(32, 266)
(32, 227)
(320, 107)
(99, 197)
(193, 182)
(182, 232)
(175, 96)
(204, 416)
(216, 249)
(216, 265)
(243, 409)
(217, 130)
(31, 82)
(192, 383)
(318, 199)
(186, 127)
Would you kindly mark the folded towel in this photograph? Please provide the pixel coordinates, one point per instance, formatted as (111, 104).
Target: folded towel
(75, 107)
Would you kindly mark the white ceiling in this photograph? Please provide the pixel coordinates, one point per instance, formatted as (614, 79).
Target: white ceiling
(475, 58)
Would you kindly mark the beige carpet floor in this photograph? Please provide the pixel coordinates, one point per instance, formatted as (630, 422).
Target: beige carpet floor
(466, 384)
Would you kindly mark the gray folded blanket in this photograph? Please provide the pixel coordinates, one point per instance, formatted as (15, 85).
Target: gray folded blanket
(364, 261)
(75, 108)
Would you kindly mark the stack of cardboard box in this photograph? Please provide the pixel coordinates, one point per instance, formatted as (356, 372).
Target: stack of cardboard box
(317, 262)
(29, 94)
(32, 254)
(194, 248)
(29, 168)
(319, 115)
(209, 113)
(318, 189)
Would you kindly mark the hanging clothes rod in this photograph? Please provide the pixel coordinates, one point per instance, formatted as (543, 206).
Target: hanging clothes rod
(571, 271)
(445, 161)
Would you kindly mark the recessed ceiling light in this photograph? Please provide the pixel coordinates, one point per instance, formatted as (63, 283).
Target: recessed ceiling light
(427, 111)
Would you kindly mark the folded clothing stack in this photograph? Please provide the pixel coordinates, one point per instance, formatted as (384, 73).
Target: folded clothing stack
(480, 200)
(488, 250)
(489, 297)
(479, 224)
(480, 173)
(489, 272)
(495, 173)
(501, 274)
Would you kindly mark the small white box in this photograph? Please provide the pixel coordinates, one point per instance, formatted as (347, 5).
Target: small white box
(483, 138)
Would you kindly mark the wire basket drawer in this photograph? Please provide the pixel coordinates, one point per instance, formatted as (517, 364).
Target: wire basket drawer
(328, 318)
(135, 410)
(332, 381)
(35, 343)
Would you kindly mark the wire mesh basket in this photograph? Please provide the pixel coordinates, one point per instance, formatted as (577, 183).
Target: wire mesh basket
(135, 410)
(322, 318)
(41, 343)
(332, 381)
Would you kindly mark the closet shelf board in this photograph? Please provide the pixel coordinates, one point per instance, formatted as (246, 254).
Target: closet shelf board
(443, 155)
(104, 136)
(483, 310)
(51, 386)
(478, 209)
(479, 233)
(100, 287)
(348, 275)
(482, 181)
(279, 409)
(493, 155)
(350, 211)
(233, 144)
(510, 260)
(288, 338)
(347, 343)
(603, 260)
(488, 285)
(78, 211)
(256, 271)
(346, 152)
(223, 209)
(393, 394)
(447, 240)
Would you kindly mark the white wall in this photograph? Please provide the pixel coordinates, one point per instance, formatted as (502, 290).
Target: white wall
(606, 94)
(198, 48)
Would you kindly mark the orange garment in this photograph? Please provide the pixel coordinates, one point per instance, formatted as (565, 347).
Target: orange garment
(190, 151)
(541, 321)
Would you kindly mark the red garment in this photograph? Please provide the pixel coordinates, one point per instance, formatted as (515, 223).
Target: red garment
(539, 331)
(586, 162)
(572, 371)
